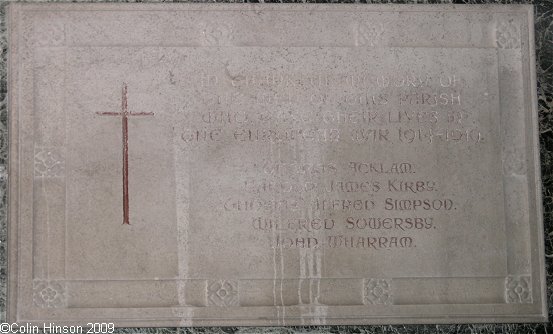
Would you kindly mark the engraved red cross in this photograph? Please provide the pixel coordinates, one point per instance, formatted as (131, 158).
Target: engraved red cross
(125, 114)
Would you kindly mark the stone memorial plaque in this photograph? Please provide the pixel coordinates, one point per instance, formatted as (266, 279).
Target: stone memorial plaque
(186, 164)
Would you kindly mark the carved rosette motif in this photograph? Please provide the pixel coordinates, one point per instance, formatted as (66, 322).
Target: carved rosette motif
(27, 29)
(49, 162)
(216, 34)
(48, 294)
(368, 34)
(507, 35)
(518, 289)
(377, 291)
(49, 33)
(514, 161)
(514, 207)
(222, 293)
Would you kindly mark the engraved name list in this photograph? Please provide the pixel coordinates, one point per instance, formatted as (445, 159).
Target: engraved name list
(343, 160)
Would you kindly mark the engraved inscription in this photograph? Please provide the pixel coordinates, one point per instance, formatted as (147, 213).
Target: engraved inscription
(353, 195)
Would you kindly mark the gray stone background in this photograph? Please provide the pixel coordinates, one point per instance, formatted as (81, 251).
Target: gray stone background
(544, 63)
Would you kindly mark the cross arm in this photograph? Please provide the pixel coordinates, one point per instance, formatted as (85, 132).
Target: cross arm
(108, 113)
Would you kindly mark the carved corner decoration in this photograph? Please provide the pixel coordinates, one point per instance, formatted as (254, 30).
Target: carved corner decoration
(222, 293)
(518, 289)
(49, 162)
(377, 291)
(49, 294)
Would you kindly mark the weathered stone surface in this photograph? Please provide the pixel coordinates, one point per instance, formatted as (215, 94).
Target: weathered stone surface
(170, 165)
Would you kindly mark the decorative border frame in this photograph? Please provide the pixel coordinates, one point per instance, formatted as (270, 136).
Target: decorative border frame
(519, 286)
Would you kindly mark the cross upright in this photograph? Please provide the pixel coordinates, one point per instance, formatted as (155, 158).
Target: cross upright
(125, 114)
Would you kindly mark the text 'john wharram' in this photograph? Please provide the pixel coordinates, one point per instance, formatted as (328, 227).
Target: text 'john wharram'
(341, 241)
